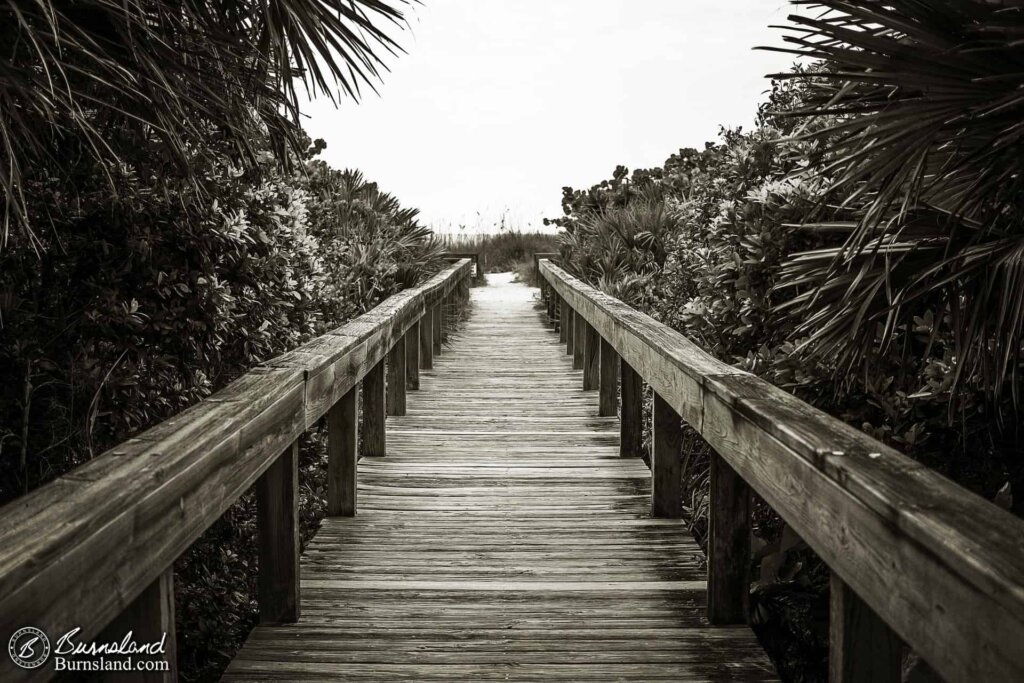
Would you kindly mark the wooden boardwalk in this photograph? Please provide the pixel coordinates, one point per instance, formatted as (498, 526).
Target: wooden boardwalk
(502, 538)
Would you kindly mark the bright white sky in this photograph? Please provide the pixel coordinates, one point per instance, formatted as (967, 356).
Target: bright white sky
(500, 103)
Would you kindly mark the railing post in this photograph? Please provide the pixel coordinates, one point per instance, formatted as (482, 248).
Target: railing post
(608, 398)
(150, 618)
(862, 647)
(591, 359)
(444, 318)
(426, 341)
(374, 426)
(277, 514)
(578, 340)
(570, 334)
(728, 545)
(412, 356)
(631, 417)
(564, 321)
(436, 323)
(666, 468)
(396, 378)
(342, 454)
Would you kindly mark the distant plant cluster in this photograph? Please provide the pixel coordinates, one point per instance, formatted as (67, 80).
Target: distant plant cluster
(860, 246)
(506, 251)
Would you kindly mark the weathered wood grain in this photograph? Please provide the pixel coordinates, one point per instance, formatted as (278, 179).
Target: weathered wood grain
(342, 455)
(728, 545)
(564, 320)
(277, 520)
(412, 357)
(437, 320)
(570, 334)
(862, 648)
(591, 359)
(666, 463)
(631, 413)
(502, 539)
(150, 619)
(579, 341)
(375, 443)
(608, 377)
(925, 554)
(396, 378)
(426, 339)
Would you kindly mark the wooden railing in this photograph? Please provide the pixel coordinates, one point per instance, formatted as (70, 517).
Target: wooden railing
(915, 558)
(94, 549)
(478, 262)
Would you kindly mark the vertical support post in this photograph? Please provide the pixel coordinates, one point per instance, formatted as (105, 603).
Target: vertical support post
(578, 340)
(412, 357)
(570, 334)
(342, 454)
(436, 322)
(728, 546)
(150, 618)
(445, 313)
(374, 433)
(396, 378)
(426, 341)
(862, 647)
(631, 419)
(277, 515)
(591, 359)
(666, 465)
(564, 321)
(608, 397)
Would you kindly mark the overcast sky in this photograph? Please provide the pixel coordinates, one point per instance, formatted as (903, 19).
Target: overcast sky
(500, 103)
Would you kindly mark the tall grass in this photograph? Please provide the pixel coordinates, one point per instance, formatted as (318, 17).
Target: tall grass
(505, 251)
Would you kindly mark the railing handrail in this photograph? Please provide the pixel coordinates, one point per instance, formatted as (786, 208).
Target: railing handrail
(941, 566)
(77, 551)
(477, 257)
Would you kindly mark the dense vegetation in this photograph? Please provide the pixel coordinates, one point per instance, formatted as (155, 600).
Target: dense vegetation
(859, 246)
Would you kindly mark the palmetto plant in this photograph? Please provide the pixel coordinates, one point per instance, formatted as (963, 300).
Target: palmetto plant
(926, 168)
(376, 244)
(617, 243)
(177, 73)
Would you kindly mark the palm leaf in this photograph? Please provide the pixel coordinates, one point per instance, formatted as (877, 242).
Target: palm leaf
(76, 72)
(925, 165)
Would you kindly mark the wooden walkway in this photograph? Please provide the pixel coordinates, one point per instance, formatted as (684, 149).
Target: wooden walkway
(502, 538)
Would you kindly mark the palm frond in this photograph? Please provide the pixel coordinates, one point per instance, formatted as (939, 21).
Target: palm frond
(925, 166)
(178, 72)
